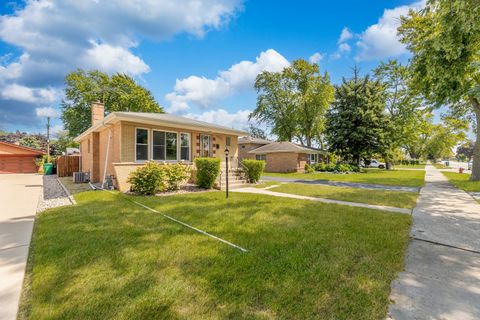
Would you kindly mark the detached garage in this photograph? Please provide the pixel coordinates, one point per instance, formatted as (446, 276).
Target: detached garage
(18, 159)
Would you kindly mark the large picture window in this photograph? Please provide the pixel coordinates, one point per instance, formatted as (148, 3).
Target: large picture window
(185, 146)
(141, 144)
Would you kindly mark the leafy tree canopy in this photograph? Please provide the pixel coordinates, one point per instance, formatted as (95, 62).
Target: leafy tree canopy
(445, 41)
(294, 102)
(118, 92)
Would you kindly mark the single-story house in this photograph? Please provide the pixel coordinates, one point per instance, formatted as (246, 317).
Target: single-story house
(247, 144)
(286, 156)
(18, 159)
(118, 143)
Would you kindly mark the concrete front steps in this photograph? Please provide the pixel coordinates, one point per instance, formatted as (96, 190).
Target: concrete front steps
(236, 179)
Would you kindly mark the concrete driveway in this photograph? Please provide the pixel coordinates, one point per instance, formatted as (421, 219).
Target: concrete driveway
(19, 194)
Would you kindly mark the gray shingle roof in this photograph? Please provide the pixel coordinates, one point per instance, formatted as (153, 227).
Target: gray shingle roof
(248, 139)
(284, 146)
(170, 118)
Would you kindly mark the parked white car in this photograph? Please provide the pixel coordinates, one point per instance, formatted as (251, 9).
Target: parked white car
(376, 164)
(470, 164)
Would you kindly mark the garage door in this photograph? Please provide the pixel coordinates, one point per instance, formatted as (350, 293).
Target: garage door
(17, 165)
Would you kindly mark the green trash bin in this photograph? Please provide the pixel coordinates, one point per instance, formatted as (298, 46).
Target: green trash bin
(47, 168)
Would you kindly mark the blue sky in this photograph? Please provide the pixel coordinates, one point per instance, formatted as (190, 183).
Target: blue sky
(199, 58)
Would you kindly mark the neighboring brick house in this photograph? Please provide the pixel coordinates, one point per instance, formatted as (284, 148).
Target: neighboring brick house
(117, 144)
(247, 144)
(286, 156)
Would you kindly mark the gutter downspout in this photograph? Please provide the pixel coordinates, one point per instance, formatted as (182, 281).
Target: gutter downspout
(106, 157)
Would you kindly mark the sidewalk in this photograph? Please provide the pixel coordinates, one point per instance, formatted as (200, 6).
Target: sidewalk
(442, 271)
(18, 199)
(345, 203)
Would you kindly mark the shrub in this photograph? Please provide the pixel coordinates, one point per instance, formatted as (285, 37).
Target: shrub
(207, 171)
(330, 167)
(320, 167)
(175, 175)
(147, 179)
(343, 167)
(308, 168)
(253, 169)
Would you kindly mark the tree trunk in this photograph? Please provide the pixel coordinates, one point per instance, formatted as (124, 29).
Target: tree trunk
(476, 150)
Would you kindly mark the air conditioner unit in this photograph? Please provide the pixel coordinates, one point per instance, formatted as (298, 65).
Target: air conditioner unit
(81, 177)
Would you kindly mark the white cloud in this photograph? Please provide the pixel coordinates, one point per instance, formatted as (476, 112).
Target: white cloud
(380, 40)
(316, 57)
(55, 37)
(47, 112)
(345, 35)
(30, 95)
(238, 120)
(241, 76)
(344, 47)
(113, 59)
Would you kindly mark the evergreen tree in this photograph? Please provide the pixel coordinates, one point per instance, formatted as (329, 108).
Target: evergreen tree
(357, 124)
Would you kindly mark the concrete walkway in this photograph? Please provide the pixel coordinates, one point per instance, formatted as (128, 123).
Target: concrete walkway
(342, 184)
(442, 272)
(346, 203)
(19, 194)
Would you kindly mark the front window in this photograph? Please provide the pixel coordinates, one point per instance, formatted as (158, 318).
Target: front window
(158, 145)
(185, 146)
(141, 144)
(261, 157)
(171, 145)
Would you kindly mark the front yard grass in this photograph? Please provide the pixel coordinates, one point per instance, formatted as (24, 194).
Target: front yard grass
(108, 258)
(410, 166)
(408, 178)
(461, 181)
(379, 197)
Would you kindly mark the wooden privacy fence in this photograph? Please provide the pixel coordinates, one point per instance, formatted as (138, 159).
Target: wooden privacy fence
(67, 165)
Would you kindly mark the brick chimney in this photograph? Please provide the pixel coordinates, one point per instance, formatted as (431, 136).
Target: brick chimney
(98, 112)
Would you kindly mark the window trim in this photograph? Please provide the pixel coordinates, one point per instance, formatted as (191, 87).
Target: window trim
(135, 144)
(179, 157)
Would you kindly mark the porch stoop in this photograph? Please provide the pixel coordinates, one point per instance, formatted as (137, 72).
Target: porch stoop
(236, 179)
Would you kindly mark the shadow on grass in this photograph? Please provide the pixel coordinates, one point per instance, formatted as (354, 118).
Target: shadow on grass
(108, 258)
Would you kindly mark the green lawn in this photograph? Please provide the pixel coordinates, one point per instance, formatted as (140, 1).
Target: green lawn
(106, 258)
(410, 178)
(407, 166)
(387, 198)
(461, 181)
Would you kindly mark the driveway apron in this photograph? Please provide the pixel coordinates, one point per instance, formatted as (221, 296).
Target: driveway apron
(442, 271)
(19, 195)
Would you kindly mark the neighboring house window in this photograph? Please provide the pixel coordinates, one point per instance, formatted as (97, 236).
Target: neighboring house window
(185, 146)
(313, 158)
(228, 141)
(171, 145)
(141, 144)
(261, 157)
(158, 152)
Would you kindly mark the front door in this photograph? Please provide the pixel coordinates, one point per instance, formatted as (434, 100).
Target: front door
(205, 145)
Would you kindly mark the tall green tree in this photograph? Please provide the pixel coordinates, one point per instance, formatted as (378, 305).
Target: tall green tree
(445, 136)
(357, 124)
(404, 108)
(466, 150)
(63, 142)
(445, 41)
(118, 92)
(294, 102)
